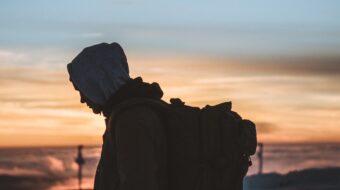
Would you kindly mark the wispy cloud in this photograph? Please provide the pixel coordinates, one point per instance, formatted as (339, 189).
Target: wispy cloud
(277, 94)
(91, 35)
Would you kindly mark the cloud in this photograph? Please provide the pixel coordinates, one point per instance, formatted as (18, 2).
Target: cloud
(20, 172)
(91, 35)
(55, 165)
(8, 57)
(278, 94)
(265, 127)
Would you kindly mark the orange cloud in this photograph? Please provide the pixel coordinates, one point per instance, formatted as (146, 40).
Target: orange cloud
(291, 100)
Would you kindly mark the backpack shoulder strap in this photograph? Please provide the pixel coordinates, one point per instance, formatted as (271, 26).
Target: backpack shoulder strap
(107, 164)
(158, 105)
(137, 102)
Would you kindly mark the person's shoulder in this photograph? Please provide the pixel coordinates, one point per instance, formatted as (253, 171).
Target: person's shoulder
(139, 107)
(140, 111)
(138, 114)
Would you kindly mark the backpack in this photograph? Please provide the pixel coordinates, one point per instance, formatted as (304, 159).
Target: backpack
(207, 149)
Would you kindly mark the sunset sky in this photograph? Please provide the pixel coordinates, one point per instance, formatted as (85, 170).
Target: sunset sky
(277, 61)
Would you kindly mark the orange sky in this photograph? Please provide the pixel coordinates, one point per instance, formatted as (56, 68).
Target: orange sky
(294, 102)
(277, 61)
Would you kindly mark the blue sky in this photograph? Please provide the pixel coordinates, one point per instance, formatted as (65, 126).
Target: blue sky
(223, 28)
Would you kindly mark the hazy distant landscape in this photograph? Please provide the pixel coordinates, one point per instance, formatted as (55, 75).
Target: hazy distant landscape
(286, 167)
(313, 179)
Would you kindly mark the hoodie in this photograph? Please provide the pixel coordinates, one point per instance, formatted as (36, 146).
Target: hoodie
(99, 71)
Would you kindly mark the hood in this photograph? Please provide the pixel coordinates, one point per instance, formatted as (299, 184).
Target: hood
(99, 71)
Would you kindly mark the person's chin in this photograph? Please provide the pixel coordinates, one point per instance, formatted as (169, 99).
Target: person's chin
(94, 110)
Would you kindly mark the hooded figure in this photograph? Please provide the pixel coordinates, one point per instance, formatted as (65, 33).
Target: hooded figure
(151, 145)
(99, 71)
(133, 142)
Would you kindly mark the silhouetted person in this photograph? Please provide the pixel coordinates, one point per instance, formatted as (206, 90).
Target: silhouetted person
(101, 74)
(149, 144)
(80, 161)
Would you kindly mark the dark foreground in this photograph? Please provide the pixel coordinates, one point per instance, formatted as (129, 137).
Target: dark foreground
(26, 182)
(312, 179)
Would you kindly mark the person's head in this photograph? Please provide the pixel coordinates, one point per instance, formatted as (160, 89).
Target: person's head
(98, 72)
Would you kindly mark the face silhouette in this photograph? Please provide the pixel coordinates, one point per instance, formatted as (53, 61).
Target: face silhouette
(83, 99)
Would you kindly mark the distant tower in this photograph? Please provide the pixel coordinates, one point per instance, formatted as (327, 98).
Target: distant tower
(80, 161)
(260, 157)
